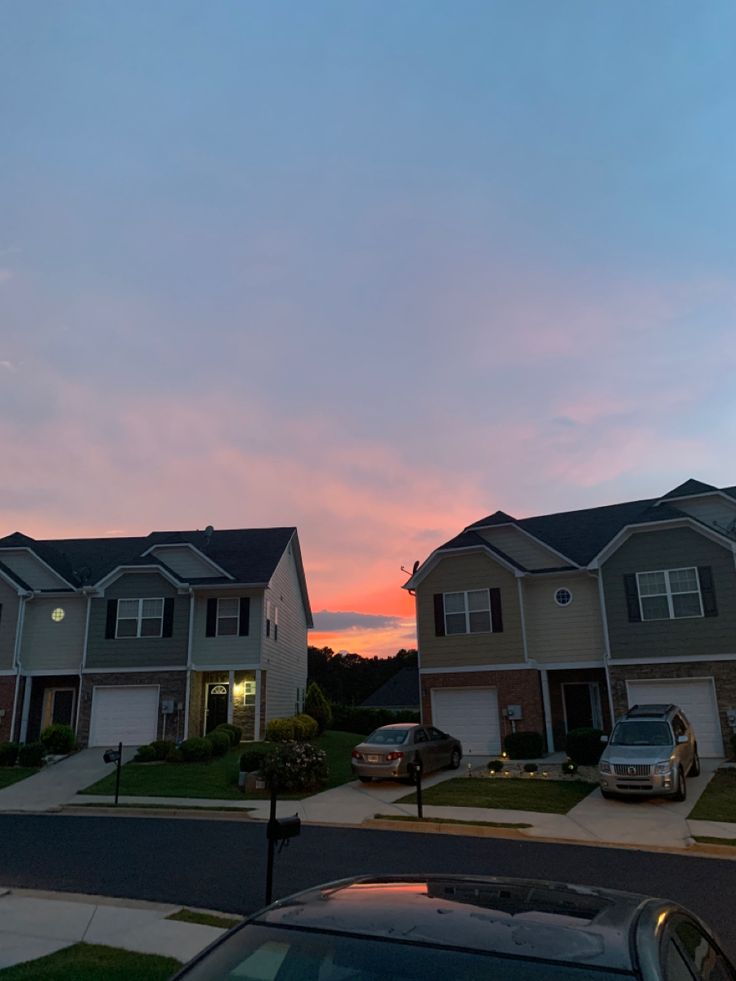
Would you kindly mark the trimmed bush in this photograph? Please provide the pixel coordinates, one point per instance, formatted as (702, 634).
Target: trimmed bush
(280, 731)
(31, 754)
(524, 745)
(305, 728)
(175, 756)
(8, 754)
(495, 766)
(568, 768)
(252, 759)
(196, 750)
(584, 746)
(146, 754)
(162, 748)
(233, 732)
(58, 739)
(530, 768)
(316, 705)
(294, 766)
(220, 742)
(363, 720)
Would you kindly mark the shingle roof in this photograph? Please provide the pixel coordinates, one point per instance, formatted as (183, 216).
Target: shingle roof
(400, 691)
(471, 539)
(689, 488)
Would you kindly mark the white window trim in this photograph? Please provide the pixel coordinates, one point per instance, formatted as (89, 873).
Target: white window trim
(668, 593)
(569, 593)
(229, 617)
(467, 611)
(140, 617)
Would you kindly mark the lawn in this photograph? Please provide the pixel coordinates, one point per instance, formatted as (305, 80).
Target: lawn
(718, 803)
(12, 774)
(218, 779)
(548, 796)
(90, 962)
(482, 824)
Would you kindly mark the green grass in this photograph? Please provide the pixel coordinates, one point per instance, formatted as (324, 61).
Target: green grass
(718, 802)
(205, 919)
(547, 796)
(91, 962)
(218, 779)
(12, 774)
(433, 820)
(708, 840)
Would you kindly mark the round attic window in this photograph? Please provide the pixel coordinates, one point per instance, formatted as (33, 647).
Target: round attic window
(57, 615)
(563, 597)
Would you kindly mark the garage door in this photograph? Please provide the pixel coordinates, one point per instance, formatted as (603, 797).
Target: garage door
(696, 698)
(125, 714)
(471, 715)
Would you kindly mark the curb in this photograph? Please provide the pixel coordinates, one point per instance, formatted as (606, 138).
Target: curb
(181, 813)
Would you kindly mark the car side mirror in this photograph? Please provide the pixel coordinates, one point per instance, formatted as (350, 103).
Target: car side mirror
(604, 738)
(682, 739)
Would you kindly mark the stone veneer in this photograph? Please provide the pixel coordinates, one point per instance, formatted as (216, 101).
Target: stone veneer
(172, 684)
(7, 694)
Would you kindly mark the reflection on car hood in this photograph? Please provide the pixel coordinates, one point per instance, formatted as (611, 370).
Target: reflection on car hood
(636, 754)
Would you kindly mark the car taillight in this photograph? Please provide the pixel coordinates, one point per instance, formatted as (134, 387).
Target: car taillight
(357, 755)
(390, 757)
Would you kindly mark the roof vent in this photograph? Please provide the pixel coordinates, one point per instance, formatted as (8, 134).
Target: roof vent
(208, 534)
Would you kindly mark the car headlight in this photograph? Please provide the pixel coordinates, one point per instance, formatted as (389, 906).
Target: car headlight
(662, 769)
(604, 767)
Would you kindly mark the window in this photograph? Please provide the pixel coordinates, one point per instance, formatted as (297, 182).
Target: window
(563, 597)
(249, 692)
(228, 617)
(468, 612)
(58, 614)
(670, 594)
(140, 618)
(268, 618)
(686, 944)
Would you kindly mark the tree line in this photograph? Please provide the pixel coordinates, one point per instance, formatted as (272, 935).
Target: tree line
(348, 679)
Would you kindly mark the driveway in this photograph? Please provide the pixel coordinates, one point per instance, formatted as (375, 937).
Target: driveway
(56, 784)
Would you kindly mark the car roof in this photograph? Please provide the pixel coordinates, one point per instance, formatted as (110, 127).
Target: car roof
(488, 914)
(658, 710)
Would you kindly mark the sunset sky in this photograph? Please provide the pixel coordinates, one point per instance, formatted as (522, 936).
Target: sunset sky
(374, 269)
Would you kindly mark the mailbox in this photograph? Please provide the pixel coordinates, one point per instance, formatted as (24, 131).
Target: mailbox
(415, 769)
(111, 756)
(281, 828)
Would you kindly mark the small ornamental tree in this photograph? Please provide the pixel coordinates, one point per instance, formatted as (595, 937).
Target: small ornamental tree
(316, 705)
(294, 766)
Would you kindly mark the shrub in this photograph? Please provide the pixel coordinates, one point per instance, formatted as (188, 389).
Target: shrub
(280, 730)
(220, 742)
(584, 746)
(363, 720)
(252, 759)
(31, 754)
(8, 754)
(305, 728)
(733, 745)
(175, 756)
(530, 768)
(196, 750)
(233, 732)
(523, 745)
(294, 766)
(58, 739)
(146, 754)
(495, 766)
(316, 705)
(162, 748)
(568, 767)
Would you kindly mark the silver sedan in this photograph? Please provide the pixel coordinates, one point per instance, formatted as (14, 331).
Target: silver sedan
(388, 751)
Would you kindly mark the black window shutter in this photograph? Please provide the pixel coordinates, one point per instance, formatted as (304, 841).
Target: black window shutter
(244, 616)
(168, 624)
(439, 615)
(707, 591)
(1, 612)
(496, 616)
(112, 617)
(632, 597)
(211, 630)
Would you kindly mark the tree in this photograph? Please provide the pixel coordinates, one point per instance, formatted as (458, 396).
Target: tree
(316, 705)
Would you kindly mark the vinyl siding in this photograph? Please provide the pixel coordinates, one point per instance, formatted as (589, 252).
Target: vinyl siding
(50, 646)
(555, 633)
(521, 548)
(8, 623)
(286, 658)
(469, 571)
(186, 563)
(226, 652)
(31, 570)
(138, 652)
(670, 549)
(714, 511)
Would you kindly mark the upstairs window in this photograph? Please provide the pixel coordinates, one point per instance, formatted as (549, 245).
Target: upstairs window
(140, 618)
(669, 594)
(228, 617)
(468, 612)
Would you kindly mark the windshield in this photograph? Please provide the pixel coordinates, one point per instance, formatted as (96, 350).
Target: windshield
(642, 734)
(388, 737)
(256, 953)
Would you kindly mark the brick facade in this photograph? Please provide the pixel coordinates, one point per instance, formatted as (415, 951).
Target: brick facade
(7, 694)
(172, 685)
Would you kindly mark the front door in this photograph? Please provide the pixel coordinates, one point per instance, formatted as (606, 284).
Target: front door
(58, 706)
(216, 709)
(582, 701)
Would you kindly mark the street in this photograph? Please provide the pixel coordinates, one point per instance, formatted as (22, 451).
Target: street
(221, 864)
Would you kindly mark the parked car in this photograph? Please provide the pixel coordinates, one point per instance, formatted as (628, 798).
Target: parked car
(388, 751)
(651, 752)
(426, 928)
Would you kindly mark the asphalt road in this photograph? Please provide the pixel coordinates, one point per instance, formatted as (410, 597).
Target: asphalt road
(221, 864)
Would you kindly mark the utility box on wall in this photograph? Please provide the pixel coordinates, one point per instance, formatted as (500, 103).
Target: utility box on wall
(514, 712)
(167, 706)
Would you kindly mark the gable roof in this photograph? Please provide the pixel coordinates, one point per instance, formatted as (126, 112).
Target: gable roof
(400, 691)
(690, 488)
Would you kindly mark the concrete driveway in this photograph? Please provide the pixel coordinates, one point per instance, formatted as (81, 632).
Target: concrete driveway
(57, 783)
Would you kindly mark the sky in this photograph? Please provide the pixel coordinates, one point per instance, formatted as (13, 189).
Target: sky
(371, 269)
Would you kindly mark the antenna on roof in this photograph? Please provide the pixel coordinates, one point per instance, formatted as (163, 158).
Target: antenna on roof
(414, 569)
(208, 534)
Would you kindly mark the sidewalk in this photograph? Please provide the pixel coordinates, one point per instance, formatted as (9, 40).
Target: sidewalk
(56, 784)
(34, 924)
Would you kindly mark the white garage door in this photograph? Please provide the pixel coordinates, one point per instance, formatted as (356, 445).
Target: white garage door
(471, 715)
(126, 714)
(696, 698)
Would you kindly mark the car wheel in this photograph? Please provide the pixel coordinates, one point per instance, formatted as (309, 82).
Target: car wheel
(365, 779)
(695, 767)
(455, 759)
(681, 792)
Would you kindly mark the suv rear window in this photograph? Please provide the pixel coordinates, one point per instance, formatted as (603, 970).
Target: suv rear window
(642, 734)
(388, 737)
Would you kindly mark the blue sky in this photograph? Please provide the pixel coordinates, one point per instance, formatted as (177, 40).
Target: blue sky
(371, 269)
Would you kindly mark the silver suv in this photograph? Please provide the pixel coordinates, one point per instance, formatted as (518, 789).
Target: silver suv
(651, 751)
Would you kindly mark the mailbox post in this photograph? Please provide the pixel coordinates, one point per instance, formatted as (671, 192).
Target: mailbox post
(415, 772)
(277, 829)
(115, 756)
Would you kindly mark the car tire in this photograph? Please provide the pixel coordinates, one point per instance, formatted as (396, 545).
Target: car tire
(455, 759)
(681, 792)
(695, 768)
(365, 779)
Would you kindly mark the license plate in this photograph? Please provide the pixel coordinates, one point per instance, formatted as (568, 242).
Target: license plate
(372, 759)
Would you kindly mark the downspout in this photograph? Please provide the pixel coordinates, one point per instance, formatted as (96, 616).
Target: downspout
(83, 662)
(519, 577)
(189, 665)
(29, 682)
(16, 658)
(606, 645)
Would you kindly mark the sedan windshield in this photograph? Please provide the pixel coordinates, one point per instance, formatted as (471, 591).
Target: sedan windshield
(387, 737)
(642, 734)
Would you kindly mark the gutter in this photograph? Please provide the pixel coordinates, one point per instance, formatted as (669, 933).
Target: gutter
(190, 639)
